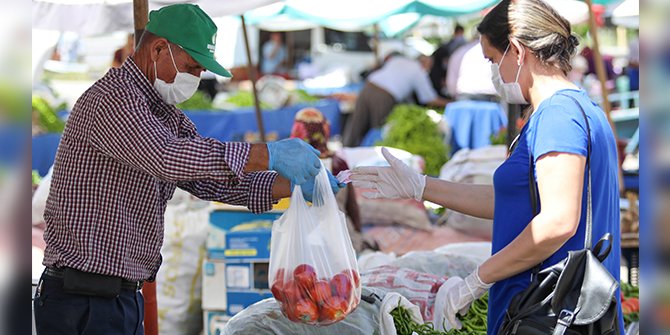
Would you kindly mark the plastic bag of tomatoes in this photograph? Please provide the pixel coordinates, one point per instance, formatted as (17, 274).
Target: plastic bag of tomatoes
(313, 269)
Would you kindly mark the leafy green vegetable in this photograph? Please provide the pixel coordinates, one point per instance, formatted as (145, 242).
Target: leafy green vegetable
(244, 99)
(48, 118)
(13, 102)
(474, 322)
(36, 177)
(631, 317)
(630, 291)
(199, 101)
(301, 96)
(411, 129)
(500, 137)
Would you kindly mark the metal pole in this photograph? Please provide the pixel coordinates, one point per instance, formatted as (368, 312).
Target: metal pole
(252, 76)
(140, 19)
(602, 76)
(600, 66)
(375, 43)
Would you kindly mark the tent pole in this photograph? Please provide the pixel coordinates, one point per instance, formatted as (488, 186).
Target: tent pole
(140, 17)
(375, 43)
(252, 76)
(600, 66)
(602, 77)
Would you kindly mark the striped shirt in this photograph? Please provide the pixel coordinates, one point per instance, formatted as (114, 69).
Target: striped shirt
(121, 156)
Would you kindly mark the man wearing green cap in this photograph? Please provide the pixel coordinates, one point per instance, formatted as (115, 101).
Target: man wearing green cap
(124, 150)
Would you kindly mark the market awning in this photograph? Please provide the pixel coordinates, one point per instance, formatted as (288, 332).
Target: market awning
(627, 14)
(95, 17)
(393, 16)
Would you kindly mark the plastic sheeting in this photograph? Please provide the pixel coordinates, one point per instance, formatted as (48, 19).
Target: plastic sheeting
(266, 318)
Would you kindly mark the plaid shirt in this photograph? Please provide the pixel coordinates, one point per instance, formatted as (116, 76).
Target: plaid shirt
(121, 156)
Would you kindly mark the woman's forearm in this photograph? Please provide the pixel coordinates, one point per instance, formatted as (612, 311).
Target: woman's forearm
(470, 199)
(537, 242)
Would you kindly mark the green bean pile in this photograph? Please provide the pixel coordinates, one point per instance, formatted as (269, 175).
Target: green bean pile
(474, 322)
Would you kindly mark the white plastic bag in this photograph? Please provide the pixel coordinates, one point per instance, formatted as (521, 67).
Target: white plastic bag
(313, 270)
(391, 301)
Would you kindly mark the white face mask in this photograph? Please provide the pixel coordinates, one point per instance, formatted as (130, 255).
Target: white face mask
(509, 92)
(181, 89)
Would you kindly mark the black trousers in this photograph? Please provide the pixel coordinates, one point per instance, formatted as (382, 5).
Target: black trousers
(57, 312)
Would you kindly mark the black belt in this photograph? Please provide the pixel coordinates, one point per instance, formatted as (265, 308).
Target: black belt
(125, 284)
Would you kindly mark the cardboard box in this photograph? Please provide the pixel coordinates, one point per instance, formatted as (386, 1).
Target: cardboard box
(247, 260)
(250, 245)
(214, 321)
(227, 218)
(214, 284)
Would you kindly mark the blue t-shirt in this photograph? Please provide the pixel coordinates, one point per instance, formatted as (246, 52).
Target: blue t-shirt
(556, 126)
(272, 64)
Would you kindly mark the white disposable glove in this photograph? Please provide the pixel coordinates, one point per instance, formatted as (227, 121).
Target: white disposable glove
(455, 296)
(396, 181)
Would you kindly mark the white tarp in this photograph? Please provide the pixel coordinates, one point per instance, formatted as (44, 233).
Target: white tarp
(95, 17)
(627, 14)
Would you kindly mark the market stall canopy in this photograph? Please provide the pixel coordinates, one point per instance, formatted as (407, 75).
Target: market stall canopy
(95, 17)
(627, 14)
(393, 15)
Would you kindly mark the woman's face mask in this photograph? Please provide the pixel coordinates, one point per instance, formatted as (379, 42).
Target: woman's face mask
(509, 92)
(181, 89)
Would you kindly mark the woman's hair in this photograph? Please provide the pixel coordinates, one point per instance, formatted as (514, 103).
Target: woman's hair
(537, 26)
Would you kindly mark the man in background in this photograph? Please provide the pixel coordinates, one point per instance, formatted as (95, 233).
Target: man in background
(393, 83)
(274, 54)
(438, 71)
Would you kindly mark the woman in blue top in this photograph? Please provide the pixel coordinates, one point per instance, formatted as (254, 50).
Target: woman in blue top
(530, 47)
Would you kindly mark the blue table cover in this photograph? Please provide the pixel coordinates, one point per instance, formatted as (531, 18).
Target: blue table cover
(473, 122)
(44, 152)
(224, 126)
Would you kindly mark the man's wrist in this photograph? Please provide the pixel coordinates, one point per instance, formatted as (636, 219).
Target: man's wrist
(281, 188)
(258, 158)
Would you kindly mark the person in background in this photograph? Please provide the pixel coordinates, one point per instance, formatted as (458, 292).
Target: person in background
(274, 55)
(393, 83)
(312, 127)
(68, 48)
(469, 74)
(530, 47)
(124, 151)
(438, 71)
(126, 50)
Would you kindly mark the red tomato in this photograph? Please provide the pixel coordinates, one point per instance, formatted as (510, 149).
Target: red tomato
(289, 311)
(627, 307)
(292, 292)
(634, 303)
(306, 311)
(353, 274)
(278, 291)
(341, 285)
(305, 276)
(320, 292)
(280, 274)
(277, 286)
(334, 309)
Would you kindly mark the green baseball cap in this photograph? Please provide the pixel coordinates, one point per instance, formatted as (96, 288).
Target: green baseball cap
(192, 29)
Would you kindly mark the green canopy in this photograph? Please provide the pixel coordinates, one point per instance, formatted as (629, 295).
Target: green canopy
(393, 16)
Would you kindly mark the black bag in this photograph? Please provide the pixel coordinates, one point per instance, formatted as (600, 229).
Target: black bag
(574, 296)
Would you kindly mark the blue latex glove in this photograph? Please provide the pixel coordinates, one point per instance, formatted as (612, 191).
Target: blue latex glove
(308, 187)
(294, 160)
